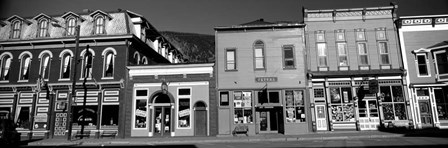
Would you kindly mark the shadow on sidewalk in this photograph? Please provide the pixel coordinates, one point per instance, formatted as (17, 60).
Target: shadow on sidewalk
(427, 132)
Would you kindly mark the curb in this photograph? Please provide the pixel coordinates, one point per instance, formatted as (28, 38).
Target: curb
(218, 140)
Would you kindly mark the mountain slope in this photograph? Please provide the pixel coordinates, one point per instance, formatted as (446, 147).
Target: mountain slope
(196, 48)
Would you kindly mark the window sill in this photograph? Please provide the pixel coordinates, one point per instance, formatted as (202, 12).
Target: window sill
(22, 81)
(63, 79)
(322, 68)
(259, 69)
(231, 70)
(4, 81)
(289, 68)
(107, 78)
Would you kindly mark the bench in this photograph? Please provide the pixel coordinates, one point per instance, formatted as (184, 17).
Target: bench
(81, 135)
(109, 134)
(240, 129)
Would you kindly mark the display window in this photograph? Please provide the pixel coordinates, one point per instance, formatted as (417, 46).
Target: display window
(109, 118)
(342, 108)
(87, 113)
(23, 117)
(394, 107)
(242, 107)
(295, 107)
(184, 108)
(141, 108)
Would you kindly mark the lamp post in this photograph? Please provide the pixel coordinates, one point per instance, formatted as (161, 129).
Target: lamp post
(75, 64)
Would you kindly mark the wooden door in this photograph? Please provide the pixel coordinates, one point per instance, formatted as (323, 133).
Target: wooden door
(200, 122)
(321, 119)
(425, 113)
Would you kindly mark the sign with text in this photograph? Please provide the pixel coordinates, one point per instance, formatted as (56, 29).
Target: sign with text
(265, 79)
(424, 21)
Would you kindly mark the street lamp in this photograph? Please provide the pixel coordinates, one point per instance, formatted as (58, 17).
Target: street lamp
(75, 64)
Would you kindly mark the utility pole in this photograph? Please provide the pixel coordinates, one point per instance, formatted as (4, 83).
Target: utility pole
(88, 65)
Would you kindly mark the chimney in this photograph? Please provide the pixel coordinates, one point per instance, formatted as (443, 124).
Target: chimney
(86, 11)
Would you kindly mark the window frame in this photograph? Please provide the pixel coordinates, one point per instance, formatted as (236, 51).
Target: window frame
(341, 55)
(324, 56)
(25, 67)
(366, 54)
(221, 102)
(6, 61)
(84, 64)
(382, 53)
(16, 29)
(417, 65)
(295, 104)
(144, 98)
(392, 101)
(106, 53)
(259, 45)
(244, 108)
(285, 60)
(227, 61)
(99, 25)
(437, 64)
(42, 28)
(45, 66)
(184, 97)
(71, 26)
(64, 56)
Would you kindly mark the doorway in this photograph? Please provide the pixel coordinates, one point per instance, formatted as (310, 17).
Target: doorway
(270, 120)
(425, 113)
(200, 119)
(321, 119)
(162, 116)
(368, 115)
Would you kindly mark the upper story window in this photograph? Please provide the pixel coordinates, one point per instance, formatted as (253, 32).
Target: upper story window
(65, 65)
(224, 98)
(288, 56)
(43, 28)
(44, 66)
(422, 64)
(230, 59)
(109, 60)
(25, 67)
(259, 55)
(71, 26)
(362, 53)
(384, 53)
(322, 54)
(360, 34)
(87, 64)
(342, 53)
(380, 33)
(99, 25)
(136, 58)
(16, 29)
(441, 62)
(5, 65)
(144, 60)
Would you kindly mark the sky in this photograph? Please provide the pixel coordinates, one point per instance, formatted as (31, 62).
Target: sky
(201, 16)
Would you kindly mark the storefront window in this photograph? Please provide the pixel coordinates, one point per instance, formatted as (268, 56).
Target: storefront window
(23, 118)
(268, 97)
(394, 107)
(109, 116)
(342, 108)
(442, 103)
(242, 107)
(184, 112)
(295, 109)
(140, 113)
(89, 113)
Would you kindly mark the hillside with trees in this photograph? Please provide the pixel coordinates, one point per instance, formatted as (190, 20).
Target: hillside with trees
(196, 48)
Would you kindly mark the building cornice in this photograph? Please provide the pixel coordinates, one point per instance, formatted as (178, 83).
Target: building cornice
(177, 69)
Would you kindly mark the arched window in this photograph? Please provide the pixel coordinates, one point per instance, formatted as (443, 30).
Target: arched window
(66, 66)
(259, 55)
(109, 60)
(144, 60)
(88, 60)
(25, 67)
(16, 29)
(44, 66)
(99, 25)
(5, 65)
(71, 26)
(136, 58)
(43, 28)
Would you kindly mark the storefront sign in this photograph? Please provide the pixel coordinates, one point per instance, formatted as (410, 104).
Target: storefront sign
(266, 79)
(184, 112)
(140, 113)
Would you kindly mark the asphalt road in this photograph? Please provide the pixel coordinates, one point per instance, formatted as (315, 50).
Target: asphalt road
(380, 142)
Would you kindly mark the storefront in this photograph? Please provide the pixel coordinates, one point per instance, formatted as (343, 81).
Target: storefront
(337, 106)
(172, 100)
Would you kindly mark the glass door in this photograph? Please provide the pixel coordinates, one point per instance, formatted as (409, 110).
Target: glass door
(368, 115)
(162, 116)
(321, 118)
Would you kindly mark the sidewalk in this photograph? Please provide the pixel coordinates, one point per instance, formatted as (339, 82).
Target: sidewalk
(215, 139)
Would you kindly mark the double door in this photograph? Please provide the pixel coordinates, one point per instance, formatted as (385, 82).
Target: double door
(162, 121)
(368, 115)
